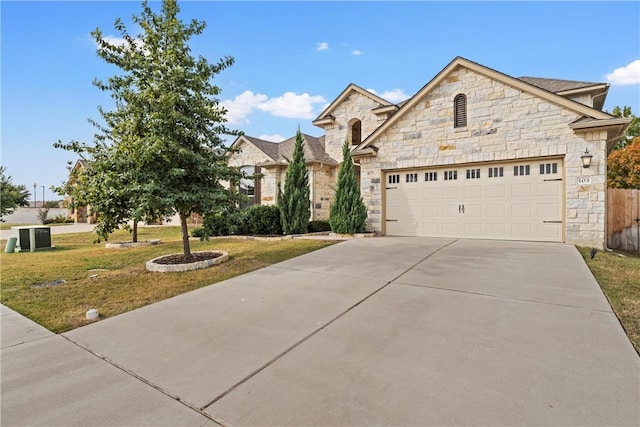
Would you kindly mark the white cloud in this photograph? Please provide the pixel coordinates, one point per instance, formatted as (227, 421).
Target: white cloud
(289, 105)
(323, 46)
(273, 138)
(241, 106)
(356, 52)
(628, 75)
(292, 105)
(393, 95)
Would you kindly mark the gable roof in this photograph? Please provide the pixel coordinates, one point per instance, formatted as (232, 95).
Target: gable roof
(559, 86)
(344, 94)
(492, 74)
(279, 152)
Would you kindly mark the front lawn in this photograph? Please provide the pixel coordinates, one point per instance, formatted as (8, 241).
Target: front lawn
(115, 281)
(619, 278)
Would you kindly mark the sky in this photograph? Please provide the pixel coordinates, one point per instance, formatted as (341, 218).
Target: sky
(293, 58)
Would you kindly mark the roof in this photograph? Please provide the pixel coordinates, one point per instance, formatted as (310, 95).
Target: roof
(279, 152)
(345, 93)
(522, 85)
(556, 85)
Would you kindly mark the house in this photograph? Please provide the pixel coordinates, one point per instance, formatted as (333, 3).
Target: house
(82, 214)
(475, 153)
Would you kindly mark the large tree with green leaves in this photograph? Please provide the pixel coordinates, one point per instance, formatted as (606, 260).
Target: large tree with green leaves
(348, 213)
(632, 130)
(161, 150)
(11, 195)
(294, 201)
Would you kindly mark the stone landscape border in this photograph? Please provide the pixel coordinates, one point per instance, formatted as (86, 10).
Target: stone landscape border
(170, 268)
(124, 245)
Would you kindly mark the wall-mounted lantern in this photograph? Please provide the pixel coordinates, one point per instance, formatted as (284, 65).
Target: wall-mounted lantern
(586, 158)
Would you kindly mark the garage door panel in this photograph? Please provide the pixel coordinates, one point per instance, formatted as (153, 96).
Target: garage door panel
(521, 190)
(520, 200)
(473, 192)
(495, 191)
(520, 210)
(495, 210)
(450, 193)
(495, 230)
(549, 230)
(548, 210)
(522, 230)
(549, 189)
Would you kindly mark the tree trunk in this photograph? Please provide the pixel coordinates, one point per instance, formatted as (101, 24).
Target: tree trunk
(185, 237)
(135, 231)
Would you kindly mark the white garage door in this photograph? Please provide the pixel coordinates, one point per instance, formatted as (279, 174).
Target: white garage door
(512, 201)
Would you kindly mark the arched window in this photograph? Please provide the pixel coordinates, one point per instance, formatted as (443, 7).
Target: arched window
(250, 187)
(460, 111)
(355, 126)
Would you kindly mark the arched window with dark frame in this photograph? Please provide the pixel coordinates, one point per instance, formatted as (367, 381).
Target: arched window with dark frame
(460, 111)
(355, 126)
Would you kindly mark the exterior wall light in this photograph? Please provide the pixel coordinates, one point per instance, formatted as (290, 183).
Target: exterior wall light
(586, 158)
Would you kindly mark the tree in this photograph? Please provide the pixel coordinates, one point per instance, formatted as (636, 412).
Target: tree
(11, 196)
(632, 130)
(294, 202)
(623, 166)
(348, 213)
(160, 151)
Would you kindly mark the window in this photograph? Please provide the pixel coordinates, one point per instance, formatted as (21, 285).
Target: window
(521, 170)
(450, 175)
(394, 179)
(548, 168)
(431, 176)
(248, 187)
(356, 131)
(411, 177)
(496, 172)
(460, 111)
(473, 173)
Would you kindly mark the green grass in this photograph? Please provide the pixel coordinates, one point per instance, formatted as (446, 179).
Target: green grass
(122, 283)
(619, 278)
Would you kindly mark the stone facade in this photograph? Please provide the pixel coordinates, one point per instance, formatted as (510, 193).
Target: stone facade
(507, 120)
(355, 107)
(321, 179)
(503, 124)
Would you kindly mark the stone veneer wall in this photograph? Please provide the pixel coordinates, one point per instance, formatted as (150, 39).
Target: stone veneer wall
(503, 123)
(355, 106)
(322, 180)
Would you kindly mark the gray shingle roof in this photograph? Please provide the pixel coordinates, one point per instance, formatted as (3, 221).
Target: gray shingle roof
(556, 85)
(314, 149)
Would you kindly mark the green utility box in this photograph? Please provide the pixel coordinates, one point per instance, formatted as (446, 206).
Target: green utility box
(42, 238)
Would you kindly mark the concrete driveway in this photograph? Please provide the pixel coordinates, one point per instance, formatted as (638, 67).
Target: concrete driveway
(383, 331)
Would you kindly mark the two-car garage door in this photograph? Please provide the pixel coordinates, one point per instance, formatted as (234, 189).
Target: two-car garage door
(512, 201)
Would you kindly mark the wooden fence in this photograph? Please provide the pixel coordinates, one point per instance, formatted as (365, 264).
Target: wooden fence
(623, 219)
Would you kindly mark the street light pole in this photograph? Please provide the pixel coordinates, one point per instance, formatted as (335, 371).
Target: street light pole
(35, 198)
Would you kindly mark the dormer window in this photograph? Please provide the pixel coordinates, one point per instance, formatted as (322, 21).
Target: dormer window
(460, 111)
(355, 126)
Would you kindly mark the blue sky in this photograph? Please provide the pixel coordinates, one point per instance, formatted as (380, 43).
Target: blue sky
(293, 58)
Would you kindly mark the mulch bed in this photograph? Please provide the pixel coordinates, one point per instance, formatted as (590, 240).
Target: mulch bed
(180, 259)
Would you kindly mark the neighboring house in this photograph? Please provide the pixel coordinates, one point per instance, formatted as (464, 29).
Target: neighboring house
(79, 213)
(475, 153)
(268, 159)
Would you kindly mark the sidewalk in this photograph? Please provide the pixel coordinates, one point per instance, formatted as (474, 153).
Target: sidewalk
(63, 384)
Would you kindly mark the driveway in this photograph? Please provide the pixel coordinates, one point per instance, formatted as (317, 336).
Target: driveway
(382, 331)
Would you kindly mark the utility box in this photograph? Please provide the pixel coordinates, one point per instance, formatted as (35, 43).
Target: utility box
(33, 238)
